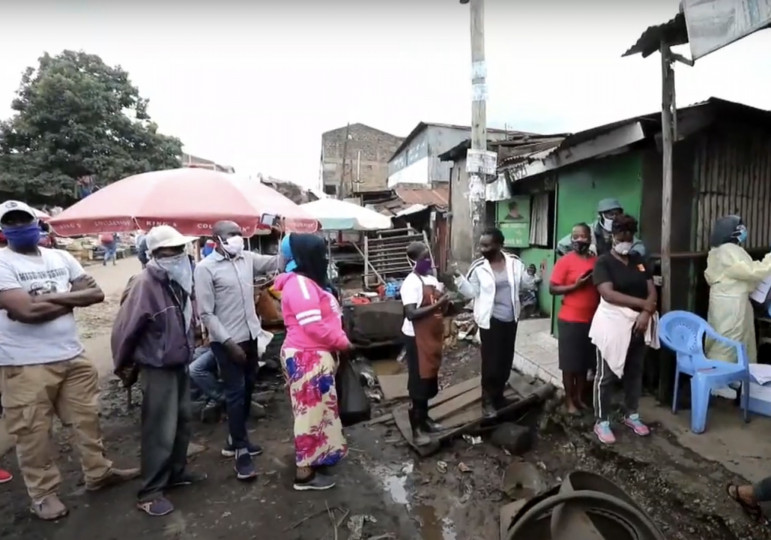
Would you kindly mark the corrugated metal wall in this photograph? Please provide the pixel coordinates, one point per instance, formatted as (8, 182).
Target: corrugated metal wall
(732, 175)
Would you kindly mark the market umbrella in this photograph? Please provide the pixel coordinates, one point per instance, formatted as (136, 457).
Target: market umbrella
(189, 199)
(337, 215)
(42, 216)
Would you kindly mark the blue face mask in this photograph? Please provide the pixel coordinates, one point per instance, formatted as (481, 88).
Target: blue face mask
(742, 236)
(23, 237)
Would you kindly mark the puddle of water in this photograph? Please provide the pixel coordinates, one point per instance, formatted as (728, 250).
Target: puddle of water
(395, 483)
(387, 367)
(432, 528)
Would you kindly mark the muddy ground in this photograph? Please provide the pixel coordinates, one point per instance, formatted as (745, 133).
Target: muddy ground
(382, 486)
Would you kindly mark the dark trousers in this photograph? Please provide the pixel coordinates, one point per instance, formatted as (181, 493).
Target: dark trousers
(497, 357)
(604, 379)
(165, 428)
(762, 490)
(238, 385)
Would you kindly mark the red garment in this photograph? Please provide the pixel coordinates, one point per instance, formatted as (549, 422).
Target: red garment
(579, 305)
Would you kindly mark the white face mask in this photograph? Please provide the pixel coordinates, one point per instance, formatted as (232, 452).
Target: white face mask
(622, 248)
(233, 246)
(607, 224)
(179, 270)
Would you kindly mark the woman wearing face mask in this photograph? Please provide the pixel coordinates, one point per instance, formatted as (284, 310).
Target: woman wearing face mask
(314, 335)
(623, 327)
(423, 331)
(572, 277)
(494, 281)
(732, 275)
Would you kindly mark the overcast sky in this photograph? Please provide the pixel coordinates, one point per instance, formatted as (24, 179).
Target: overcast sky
(256, 86)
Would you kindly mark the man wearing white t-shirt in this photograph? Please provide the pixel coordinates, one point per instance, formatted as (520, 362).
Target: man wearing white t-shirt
(42, 368)
(423, 331)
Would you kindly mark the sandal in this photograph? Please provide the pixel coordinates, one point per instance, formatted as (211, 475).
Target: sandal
(753, 510)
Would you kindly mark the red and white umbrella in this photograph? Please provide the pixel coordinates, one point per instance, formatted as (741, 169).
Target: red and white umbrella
(191, 200)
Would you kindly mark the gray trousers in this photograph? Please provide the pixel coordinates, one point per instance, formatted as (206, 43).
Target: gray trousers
(604, 380)
(166, 428)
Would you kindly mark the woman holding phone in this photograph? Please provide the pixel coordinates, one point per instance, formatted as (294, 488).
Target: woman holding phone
(572, 278)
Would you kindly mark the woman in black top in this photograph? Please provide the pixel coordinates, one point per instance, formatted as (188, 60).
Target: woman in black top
(623, 279)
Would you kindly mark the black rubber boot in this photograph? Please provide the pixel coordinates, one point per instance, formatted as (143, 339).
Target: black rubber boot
(419, 435)
(489, 411)
(429, 426)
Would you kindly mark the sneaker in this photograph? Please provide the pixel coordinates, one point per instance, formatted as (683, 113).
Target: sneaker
(160, 506)
(229, 451)
(5, 476)
(113, 477)
(49, 508)
(604, 433)
(244, 466)
(315, 482)
(633, 421)
(187, 479)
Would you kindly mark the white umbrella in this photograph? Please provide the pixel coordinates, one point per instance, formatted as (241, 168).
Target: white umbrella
(337, 215)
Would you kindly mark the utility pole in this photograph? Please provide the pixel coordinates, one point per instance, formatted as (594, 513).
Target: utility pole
(476, 181)
(341, 189)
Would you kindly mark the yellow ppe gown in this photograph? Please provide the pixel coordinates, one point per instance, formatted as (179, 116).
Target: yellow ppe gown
(732, 275)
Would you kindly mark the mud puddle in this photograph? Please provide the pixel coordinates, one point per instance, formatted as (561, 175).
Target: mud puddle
(387, 367)
(397, 482)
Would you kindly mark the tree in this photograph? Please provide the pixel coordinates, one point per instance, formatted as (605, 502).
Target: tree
(76, 117)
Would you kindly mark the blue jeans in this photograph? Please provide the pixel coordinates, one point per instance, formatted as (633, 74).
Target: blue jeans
(110, 252)
(239, 384)
(203, 374)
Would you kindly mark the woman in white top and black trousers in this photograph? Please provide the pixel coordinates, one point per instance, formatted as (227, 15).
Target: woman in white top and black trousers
(493, 282)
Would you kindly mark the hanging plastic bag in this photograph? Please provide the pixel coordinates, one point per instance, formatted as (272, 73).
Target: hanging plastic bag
(353, 403)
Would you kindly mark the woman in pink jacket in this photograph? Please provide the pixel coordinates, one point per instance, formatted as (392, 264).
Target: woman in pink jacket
(314, 333)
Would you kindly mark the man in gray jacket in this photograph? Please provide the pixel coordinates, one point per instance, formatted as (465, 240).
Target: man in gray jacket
(153, 332)
(224, 284)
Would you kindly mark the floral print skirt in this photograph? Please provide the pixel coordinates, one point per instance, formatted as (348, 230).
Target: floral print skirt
(318, 432)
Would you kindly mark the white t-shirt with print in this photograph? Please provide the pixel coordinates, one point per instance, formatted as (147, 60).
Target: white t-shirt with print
(23, 344)
(412, 293)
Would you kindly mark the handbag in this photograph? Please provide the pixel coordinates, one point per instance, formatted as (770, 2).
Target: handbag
(353, 403)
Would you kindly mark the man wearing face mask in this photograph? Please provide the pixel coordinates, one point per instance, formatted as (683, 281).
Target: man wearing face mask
(42, 368)
(493, 281)
(154, 331)
(732, 275)
(225, 295)
(602, 238)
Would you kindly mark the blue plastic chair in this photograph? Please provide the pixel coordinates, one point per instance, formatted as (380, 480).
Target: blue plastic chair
(684, 333)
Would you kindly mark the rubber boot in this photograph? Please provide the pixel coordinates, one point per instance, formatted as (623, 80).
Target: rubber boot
(429, 426)
(489, 411)
(419, 435)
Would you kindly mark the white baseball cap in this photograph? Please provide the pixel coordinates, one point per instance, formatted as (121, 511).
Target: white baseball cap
(166, 236)
(16, 206)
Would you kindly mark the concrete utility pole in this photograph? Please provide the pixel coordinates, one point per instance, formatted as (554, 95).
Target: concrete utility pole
(476, 181)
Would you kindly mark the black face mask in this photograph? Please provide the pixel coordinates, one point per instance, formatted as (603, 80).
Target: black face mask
(580, 246)
(490, 254)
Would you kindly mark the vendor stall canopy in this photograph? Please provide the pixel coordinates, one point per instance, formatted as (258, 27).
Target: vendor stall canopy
(190, 200)
(337, 215)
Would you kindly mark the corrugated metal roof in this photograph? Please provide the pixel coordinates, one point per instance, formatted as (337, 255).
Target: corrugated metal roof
(409, 199)
(438, 196)
(673, 32)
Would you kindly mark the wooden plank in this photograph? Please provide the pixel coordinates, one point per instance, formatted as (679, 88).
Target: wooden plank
(470, 414)
(456, 404)
(383, 419)
(393, 386)
(455, 390)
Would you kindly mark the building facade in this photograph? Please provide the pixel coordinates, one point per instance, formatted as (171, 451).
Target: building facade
(354, 160)
(416, 160)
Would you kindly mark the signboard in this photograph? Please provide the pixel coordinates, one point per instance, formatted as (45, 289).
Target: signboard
(513, 218)
(713, 24)
(481, 162)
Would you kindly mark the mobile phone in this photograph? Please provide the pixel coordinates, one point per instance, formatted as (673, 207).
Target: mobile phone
(587, 274)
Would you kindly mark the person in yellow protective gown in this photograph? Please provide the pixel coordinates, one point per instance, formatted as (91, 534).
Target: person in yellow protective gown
(732, 275)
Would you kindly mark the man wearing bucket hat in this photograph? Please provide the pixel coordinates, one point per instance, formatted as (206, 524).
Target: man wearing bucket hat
(602, 240)
(154, 332)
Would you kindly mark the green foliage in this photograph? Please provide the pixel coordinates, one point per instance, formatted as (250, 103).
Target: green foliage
(76, 116)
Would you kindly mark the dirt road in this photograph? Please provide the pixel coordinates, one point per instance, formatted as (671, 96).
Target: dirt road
(382, 486)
